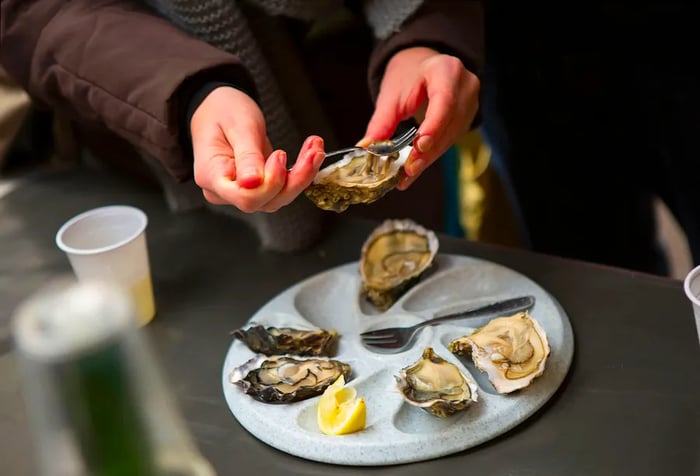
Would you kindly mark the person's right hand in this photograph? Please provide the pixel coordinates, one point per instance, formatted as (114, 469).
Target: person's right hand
(234, 162)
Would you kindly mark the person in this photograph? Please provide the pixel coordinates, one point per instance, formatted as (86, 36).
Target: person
(227, 93)
(593, 113)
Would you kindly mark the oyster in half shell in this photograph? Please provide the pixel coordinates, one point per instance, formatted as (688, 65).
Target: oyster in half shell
(286, 379)
(285, 340)
(511, 350)
(436, 385)
(354, 179)
(393, 258)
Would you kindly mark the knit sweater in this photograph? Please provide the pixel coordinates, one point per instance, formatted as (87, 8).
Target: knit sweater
(246, 29)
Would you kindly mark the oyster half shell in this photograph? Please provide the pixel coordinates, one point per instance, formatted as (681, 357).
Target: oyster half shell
(285, 340)
(354, 179)
(511, 350)
(286, 379)
(393, 258)
(436, 385)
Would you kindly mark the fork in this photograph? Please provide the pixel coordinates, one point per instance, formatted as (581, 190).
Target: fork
(395, 339)
(383, 148)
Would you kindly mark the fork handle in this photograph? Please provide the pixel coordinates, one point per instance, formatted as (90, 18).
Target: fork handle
(342, 152)
(507, 307)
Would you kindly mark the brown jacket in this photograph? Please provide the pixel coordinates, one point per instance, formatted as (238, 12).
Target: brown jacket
(114, 63)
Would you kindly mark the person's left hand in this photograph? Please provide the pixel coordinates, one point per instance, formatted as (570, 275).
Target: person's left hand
(434, 88)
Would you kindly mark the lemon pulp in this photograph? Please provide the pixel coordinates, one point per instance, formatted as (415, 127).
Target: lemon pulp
(339, 411)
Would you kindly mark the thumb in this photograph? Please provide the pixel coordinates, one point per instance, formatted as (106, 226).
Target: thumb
(248, 142)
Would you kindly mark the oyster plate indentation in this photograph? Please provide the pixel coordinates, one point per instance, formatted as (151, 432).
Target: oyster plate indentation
(396, 431)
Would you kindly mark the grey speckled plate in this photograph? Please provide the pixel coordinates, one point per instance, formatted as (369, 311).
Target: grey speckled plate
(397, 432)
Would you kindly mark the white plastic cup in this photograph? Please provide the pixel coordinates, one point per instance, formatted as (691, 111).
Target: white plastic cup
(692, 290)
(109, 244)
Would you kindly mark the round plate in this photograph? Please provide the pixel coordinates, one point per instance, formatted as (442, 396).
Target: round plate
(397, 432)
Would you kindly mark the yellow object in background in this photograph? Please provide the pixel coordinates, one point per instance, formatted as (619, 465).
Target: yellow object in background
(474, 159)
(339, 411)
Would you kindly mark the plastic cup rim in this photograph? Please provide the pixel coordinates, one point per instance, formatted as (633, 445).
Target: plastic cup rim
(690, 277)
(93, 251)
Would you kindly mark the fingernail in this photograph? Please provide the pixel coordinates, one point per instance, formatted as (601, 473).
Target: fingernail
(364, 142)
(249, 178)
(319, 143)
(282, 157)
(424, 144)
(415, 167)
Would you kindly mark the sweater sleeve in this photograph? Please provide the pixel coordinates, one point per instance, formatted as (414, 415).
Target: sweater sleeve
(452, 27)
(113, 62)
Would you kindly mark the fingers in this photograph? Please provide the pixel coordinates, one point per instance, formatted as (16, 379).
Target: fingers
(248, 142)
(452, 103)
(252, 200)
(306, 167)
(443, 84)
(219, 189)
(233, 159)
(385, 117)
(394, 105)
(417, 162)
(279, 188)
(211, 197)
(208, 169)
(301, 175)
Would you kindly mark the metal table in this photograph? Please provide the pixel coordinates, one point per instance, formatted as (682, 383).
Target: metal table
(629, 406)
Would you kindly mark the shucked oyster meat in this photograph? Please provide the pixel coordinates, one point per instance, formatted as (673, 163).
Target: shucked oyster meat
(286, 379)
(436, 385)
(354, 179)
(285, 340)
(511, 350)
(393, 258)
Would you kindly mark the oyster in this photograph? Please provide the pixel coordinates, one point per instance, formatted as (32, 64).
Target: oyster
(393, 258)
(285, 340)
(511, 350)
(436, 385)
(354, 179)
(286, 379)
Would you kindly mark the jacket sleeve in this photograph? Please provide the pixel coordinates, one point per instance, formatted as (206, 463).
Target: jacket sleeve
(452, 27)
(113, 62)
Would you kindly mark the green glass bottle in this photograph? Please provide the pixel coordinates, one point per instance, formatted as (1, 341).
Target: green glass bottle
(98, 403)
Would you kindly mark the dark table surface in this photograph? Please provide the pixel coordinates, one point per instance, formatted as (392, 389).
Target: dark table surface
(629, 406)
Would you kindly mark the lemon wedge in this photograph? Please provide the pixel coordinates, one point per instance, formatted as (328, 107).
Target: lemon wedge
(339, 411)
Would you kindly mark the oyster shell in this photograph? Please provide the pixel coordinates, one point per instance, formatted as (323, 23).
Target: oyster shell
(286, 379)
(436, 385)
(393, 258)
(354, 179)
(511, 350)
(285, 340)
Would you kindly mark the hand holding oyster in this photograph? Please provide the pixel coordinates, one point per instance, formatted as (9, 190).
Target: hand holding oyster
(356, 178)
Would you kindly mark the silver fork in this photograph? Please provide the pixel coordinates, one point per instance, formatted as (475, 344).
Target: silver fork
(381, 148)
(396, 339)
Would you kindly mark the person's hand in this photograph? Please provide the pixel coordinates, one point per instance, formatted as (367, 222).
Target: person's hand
(434, 88)
(234, 162)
